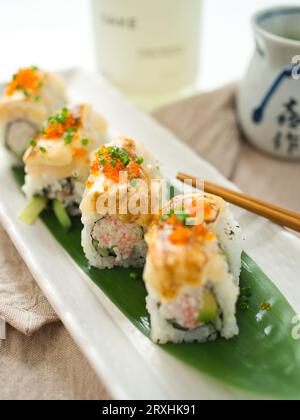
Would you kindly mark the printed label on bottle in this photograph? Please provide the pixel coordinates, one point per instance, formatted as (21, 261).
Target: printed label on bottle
(148, 46)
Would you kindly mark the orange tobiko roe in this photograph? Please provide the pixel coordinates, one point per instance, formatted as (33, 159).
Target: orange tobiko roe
(182, 234)
(56, 130)
(207, 209)
(134, 170)
(95, 168)
(112, 172)
(200, 230)
(196, 204)
(25, 79)
(172, 220)
(53, 131)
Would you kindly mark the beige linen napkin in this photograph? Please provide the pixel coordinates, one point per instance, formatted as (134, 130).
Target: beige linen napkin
(22, 304)
(47, 365)
(208, 124)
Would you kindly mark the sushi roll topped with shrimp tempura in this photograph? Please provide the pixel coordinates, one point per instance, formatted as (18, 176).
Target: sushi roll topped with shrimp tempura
(121, 197)
(29, 99)
(192, 270)
(57, 161)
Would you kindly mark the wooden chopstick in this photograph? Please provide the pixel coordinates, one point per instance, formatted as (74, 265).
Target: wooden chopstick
(213, 187)
(276, 214)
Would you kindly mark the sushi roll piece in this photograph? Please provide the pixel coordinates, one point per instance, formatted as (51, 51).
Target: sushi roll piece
(57, 161)
(192, 270)
(117, 208)
(29, 99)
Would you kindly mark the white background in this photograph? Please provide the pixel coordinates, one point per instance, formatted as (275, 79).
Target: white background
(58, 34)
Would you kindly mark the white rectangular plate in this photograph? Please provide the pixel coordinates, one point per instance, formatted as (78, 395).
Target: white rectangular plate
(143, 371)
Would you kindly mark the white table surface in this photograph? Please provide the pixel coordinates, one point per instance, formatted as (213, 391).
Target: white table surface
(58, 34)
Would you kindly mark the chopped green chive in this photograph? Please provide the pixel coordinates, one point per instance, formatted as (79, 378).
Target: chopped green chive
(139, 161)
(113, 149)
(103, 161)
(124, 158)
(41, 84)
(14, 77)
(61, 118)
(244, 303)
(71, 130)
(133, 276)
(32, 142)
(113, 163)
(43, 149)
(100, 152)
(113, 152)
(51, 120)
(68, 139)
(246, 291)
(26, 93)
(34, 68)
(85, 142)
(37, 98)
(182, 217)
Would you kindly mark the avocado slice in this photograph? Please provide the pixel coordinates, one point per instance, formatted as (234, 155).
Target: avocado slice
(104, 252)
(209, 310)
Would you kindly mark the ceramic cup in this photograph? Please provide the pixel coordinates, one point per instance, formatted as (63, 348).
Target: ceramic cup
(269, 96)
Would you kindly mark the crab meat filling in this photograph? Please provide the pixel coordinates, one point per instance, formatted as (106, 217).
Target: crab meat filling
(111, 237)
(191, 309)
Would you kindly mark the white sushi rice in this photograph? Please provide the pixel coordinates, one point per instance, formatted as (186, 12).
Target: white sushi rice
(226, 292)
(163, 332)
(228, 232)
(126, 240)
(53, 187)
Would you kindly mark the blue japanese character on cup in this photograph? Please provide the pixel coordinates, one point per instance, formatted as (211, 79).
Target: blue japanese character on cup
(268, 99)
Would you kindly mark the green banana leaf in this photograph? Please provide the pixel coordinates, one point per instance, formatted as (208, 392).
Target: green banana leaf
(264, 359)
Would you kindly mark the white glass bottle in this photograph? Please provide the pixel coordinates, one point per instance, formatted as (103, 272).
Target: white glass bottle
(148, 48)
